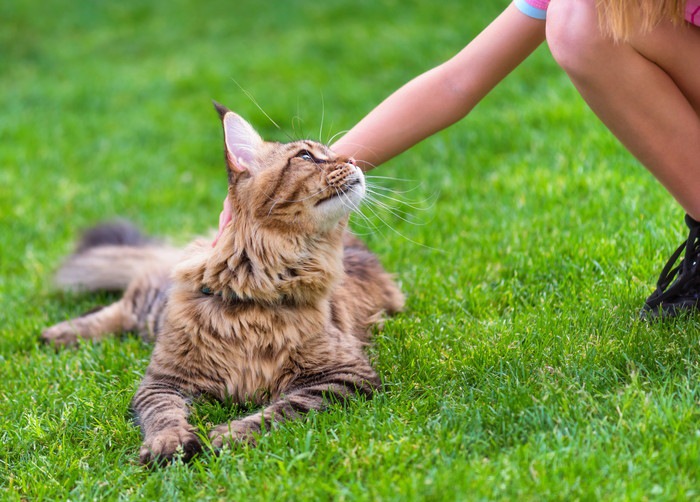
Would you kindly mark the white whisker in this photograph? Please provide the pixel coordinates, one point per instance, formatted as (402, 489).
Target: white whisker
(391, 178)
(416, 206)
(332, 138)
(392, 190)
(402, 235)
(398, 213)
(297, 120)
(252, 98)
(323, 116)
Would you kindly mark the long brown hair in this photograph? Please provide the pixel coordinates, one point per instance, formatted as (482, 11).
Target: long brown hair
(621, 18)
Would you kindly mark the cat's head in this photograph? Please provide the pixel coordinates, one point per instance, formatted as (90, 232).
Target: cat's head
(290, 203)
(300, 187)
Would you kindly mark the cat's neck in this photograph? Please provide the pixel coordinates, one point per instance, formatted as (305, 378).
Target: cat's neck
(249, 263)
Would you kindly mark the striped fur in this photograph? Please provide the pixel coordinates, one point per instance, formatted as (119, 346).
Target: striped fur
(276, 314)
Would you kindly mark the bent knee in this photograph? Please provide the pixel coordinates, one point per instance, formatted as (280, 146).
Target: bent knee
(573, 34)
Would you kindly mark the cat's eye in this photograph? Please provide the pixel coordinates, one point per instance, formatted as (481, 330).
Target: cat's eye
(305, 155)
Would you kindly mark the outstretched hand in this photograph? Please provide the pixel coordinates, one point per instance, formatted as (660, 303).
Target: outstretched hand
(224, 219)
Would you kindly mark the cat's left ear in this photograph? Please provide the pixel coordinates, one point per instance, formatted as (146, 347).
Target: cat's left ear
(240, 139)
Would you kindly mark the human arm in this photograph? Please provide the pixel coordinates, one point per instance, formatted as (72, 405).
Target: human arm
(444, 94)
(439, 97)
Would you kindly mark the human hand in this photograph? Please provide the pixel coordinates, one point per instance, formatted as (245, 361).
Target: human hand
(224, 219)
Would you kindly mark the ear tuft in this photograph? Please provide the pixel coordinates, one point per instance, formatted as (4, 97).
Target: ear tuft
(221, 109)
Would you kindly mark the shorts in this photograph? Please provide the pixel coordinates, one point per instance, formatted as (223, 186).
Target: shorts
(538, 9)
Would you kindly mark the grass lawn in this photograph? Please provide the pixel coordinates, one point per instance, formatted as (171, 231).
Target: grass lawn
(528, 242)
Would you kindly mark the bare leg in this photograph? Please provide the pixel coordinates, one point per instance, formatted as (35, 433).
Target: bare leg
(646, 91)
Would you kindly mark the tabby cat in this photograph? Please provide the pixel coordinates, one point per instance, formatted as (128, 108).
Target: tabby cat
(277, 313)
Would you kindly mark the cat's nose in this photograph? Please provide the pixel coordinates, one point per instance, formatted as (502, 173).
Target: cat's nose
(352, 161)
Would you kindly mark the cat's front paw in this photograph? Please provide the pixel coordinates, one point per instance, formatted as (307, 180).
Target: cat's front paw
(231, 433)
(165, 445)
(61, 334)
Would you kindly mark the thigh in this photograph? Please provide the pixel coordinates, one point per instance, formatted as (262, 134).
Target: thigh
(676, 50)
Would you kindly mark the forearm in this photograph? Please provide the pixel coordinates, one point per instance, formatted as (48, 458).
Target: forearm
(445, 94)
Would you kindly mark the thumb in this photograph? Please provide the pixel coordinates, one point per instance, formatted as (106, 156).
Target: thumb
(224, 219)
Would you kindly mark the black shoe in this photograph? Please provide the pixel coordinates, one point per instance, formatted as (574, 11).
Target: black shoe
(678, 287)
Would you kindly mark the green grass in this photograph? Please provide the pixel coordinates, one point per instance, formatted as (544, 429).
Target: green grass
(519, 370)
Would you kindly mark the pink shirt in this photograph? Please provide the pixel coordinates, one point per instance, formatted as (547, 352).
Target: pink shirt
(538, 9)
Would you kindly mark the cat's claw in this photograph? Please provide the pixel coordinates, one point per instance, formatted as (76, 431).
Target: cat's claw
(176, 442)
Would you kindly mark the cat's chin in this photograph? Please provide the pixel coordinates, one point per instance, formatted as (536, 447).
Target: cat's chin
(340, 205)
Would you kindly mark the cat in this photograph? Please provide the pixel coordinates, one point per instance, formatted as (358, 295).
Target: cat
(277, 313)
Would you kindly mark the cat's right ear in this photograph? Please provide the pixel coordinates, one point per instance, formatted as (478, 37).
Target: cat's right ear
(240, 139)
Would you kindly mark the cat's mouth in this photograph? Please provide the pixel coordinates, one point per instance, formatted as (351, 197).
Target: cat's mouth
(339, 191)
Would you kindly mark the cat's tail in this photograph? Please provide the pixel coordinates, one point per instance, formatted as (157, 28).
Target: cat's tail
(109, 256)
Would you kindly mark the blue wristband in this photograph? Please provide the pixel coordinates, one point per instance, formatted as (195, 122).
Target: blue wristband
(529, 10)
